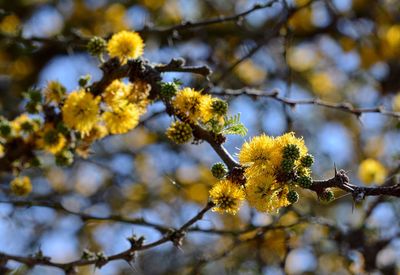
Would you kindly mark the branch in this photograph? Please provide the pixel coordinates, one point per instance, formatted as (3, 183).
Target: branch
(128, 255)
(87, 217)
(341, 180)
(274, 94)
(220, 19)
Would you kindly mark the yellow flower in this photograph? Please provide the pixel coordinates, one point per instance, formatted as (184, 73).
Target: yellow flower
(24, 124)
(52, 140)
(10, 24)
(125, 45)
(123, 119)
(286, 139)
(138, 93)
(227, 196)
(98, 132)
(21, 186)
(372, 171)
(187, 101)
(115, 94)
(266, 194)
(1, 150)
(54, 91)
(206, 110)
(258, 150)
(80, 111)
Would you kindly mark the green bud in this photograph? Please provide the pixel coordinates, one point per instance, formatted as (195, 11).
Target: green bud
(291, 151)
(327, 195)
(96, 46)
(179, 132)
(307, 161)
(35, 95)
(168, 90)
(219, 106)
(304, 181)
(64, 158)
(51, 137)
(35, 162)
(287, 165)
(219, 170)
(292, 196)
(32, 107)
(5, 128)
(84, 80)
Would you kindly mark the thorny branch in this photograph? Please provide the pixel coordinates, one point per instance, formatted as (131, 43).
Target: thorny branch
(139, 69)
(175, 236)
(274, 94)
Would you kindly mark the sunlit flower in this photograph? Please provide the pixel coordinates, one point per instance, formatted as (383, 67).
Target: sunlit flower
(227, 196)
(51, 140)
(266, 194)
(121, 120)
(115, 94)
(187, 102)
(125, 45)
(54, 92)
(23, 124)
(80, 111)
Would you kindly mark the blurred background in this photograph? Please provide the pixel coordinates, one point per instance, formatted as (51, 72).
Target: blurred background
(336, 50)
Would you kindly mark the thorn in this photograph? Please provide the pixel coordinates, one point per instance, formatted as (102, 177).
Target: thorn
(334, 167)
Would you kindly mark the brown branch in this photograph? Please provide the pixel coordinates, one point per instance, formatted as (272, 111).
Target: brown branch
(86, 217)
(217, 20)
(274, 94)
(175, 236)
(341, 180)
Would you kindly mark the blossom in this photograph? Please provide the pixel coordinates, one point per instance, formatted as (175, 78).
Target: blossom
(187, 102)
(121, 120)
(54, 92)
(21, 186)
(52, 140)
(80, 111)
(260, 149)
(125, 45)
(24, 124)
(266, 194)
(372, 171)
(227, 196)
(115, 93)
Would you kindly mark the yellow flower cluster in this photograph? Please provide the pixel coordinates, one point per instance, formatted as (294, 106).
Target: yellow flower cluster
(194, 107)
(197, 106)
(273, 167)
(271, 164)
(124, 103)
(372, 171)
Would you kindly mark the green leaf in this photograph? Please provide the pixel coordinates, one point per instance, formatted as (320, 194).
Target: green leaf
(233, 126)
